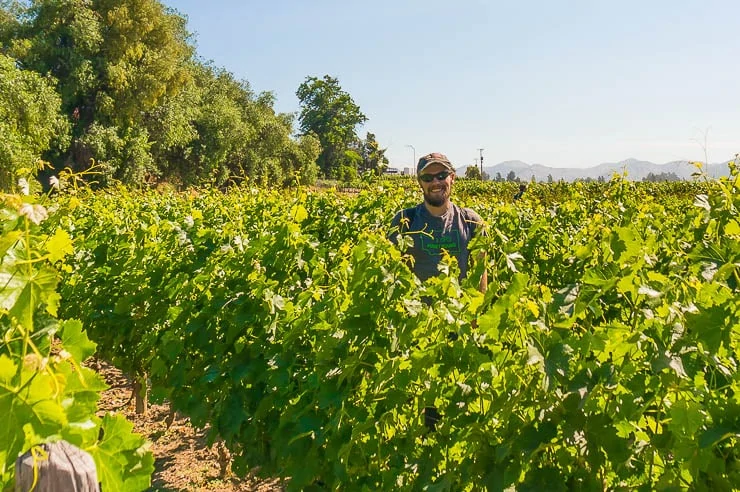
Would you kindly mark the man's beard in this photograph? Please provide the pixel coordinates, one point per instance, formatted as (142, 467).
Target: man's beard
(437, 200)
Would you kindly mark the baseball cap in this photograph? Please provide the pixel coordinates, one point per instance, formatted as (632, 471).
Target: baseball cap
(434, 157)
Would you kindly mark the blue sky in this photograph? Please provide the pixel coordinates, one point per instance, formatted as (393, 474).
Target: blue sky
(569, 83)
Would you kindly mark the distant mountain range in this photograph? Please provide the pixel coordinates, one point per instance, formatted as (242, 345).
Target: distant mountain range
(636, 170)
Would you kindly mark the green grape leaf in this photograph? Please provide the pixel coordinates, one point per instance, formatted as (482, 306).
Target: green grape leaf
(732, 228)
(23, 290)
(623, 244)
(7, 240)
(299, 213)
(122, 458)
(59, 245)
(27, 409)
(490, 321)
(686, 417)
(75, 340)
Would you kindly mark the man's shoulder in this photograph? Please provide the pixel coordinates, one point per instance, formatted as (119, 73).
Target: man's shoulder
(407, 214)
(471, 220)
(469, 214)
(407, 211)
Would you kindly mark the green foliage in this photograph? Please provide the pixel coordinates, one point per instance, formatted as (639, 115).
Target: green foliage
(661, 177)
(373, 157)
(302, 155)
(61, 38)
(45, 392)
(146, 53)
(346, 171)
(240, 136)
(127, 157)
(114, 62)
(9, 10)
(140, 104)
(30, 122)
(329, 112)
(603, 357)
(473, 172)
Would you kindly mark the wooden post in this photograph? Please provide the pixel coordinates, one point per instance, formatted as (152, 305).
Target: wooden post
(141, 391)
(56, 467)
(224, 458)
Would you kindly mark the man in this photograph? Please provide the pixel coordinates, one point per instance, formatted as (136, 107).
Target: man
(437, 224)
(520, 193)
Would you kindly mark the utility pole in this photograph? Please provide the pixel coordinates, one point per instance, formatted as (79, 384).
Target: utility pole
(413, 165)
(481, 163)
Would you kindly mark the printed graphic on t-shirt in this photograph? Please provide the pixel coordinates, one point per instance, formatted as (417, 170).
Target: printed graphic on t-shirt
(434, 245)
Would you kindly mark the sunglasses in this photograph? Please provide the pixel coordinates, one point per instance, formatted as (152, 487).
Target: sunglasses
(440, 176)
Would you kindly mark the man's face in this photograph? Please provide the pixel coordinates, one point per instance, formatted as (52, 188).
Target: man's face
(437, 192)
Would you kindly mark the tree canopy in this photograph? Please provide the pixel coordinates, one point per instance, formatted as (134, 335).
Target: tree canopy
(655, 177)
(331, 114)
(30, 121)
(373, 157)
(473, 172)
(118, 82)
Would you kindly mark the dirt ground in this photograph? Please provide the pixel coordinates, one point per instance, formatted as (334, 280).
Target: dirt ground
(183, 460)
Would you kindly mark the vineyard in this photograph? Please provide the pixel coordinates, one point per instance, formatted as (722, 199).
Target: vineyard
(45, 392)
(603, 355)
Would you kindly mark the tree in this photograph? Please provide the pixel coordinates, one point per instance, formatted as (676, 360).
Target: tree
(116, 62)
(329, 113)
(62, 38)
(147, 48)
(472, 172)
(373, 157)
(10, 11)
(173, 132)
(30, 122)
(511, 176)
(145, 109)
(670, 176)
(346, 171)
(302, 156)
(238, 135)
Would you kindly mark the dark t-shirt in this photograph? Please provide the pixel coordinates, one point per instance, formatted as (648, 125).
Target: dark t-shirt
(431, 235)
